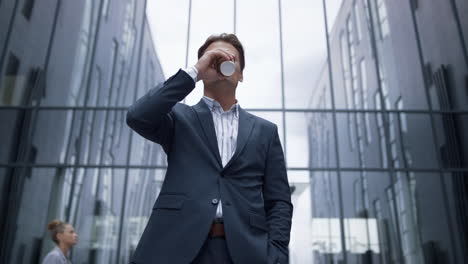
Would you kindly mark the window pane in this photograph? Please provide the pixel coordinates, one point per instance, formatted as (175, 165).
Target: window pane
(304, 50)
(11, 86)
(361, 230)
(310, 140)
(301, 199)
(297, 148)
(146, 153)
(83, 55)
(349, 148)
(262, 75)
(402, 212)
(10, 137)
(416, 147)
(142, 190)
(333, 9)
(325, 217)
(172, 41)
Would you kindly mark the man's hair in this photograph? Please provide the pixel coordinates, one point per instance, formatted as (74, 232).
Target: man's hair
(228, 38)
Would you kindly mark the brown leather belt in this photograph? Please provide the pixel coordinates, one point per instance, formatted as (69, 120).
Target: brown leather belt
(217, 230)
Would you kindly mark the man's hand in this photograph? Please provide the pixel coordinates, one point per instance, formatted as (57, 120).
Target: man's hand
(208, 64)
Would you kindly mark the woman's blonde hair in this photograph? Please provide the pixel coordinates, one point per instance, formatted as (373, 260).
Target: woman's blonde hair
(55, 227)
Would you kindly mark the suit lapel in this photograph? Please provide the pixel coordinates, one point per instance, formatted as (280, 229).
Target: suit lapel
(246, 124)
(206, 119)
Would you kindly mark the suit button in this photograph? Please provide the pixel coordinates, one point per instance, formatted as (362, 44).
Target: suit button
(214, 201)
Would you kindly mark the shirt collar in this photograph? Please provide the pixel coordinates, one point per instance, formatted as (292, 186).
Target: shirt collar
(213, 105)
(60, 252)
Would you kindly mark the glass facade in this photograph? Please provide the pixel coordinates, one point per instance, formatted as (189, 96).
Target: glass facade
(367, 94)
(72, 68)
(393, 196)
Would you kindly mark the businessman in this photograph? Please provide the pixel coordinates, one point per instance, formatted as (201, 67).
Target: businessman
(226, 196)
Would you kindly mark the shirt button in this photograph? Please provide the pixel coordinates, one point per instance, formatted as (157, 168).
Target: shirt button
(214, 201)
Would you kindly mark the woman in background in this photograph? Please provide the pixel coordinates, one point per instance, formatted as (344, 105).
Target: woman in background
(65, 237)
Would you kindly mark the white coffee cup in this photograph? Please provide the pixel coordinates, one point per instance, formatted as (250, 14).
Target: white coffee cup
(227, 68)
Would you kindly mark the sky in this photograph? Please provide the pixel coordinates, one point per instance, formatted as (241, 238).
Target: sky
(304, 50)
(258, 28)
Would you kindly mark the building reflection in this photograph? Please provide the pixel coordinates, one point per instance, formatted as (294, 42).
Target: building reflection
(69, 69)
(387, 164)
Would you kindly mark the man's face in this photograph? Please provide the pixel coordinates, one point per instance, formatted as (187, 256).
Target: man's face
(237, 75)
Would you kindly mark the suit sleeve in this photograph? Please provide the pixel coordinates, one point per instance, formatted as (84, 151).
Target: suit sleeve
(277, 198)
(152, 117)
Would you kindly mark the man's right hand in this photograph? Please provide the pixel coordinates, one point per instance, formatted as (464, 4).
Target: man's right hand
(208, 64)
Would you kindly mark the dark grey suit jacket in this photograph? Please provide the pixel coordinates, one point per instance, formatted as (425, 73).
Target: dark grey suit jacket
(253, 186)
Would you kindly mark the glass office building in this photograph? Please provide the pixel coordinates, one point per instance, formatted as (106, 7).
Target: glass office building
(370, 98)
(69, 71)
(396, 191)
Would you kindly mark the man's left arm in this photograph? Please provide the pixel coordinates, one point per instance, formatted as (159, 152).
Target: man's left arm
(277, 199)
